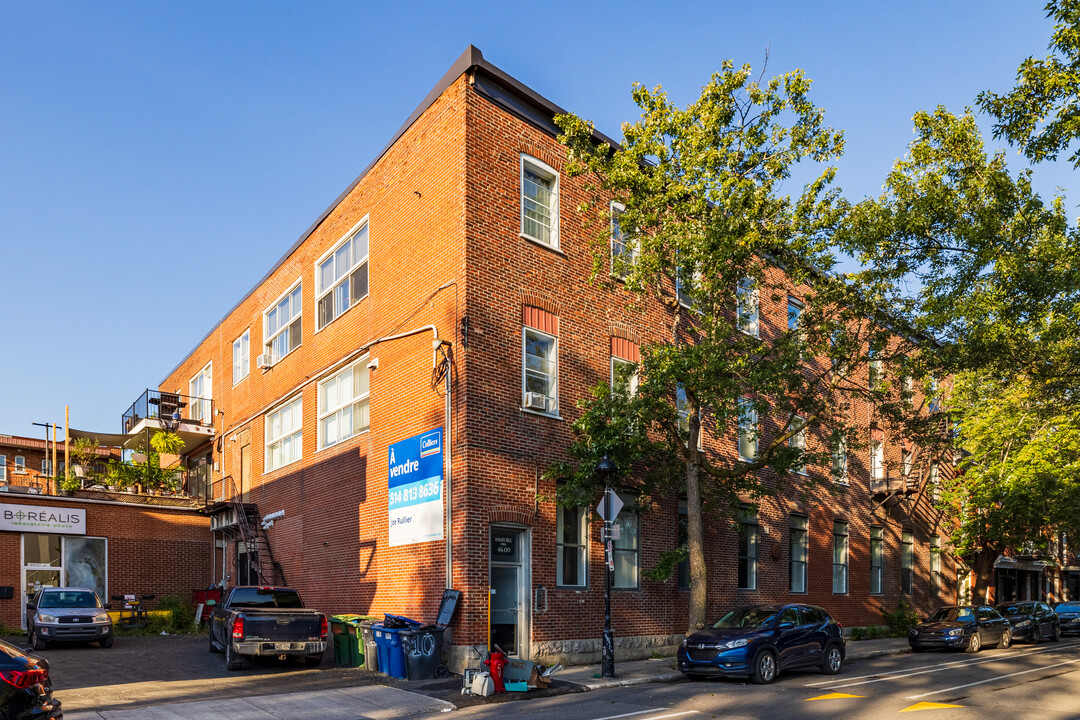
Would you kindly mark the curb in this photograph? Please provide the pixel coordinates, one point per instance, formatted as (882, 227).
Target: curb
(877, 653)
(627, 682)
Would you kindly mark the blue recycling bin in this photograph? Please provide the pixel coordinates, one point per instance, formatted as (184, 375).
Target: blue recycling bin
(388, 641)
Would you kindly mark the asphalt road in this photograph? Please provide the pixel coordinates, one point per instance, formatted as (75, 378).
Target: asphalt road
(1040, 682)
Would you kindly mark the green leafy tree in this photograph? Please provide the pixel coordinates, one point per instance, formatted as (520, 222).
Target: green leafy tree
(703, 229)
(1041, 114)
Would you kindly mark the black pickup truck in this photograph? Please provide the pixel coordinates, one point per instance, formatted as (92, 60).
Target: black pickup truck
(266, 621)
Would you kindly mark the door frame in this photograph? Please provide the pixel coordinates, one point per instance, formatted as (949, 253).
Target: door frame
(524, 565)
(62, 568)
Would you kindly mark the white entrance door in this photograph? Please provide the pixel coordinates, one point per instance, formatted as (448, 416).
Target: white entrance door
(63, 561)
(509, 590)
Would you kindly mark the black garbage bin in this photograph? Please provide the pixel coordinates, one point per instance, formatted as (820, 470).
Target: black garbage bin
(423, 648)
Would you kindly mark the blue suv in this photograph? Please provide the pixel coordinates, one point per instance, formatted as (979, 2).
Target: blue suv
(758, 642)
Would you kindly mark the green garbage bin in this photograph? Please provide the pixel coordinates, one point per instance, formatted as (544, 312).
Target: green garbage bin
(354, 635)
(339, 628)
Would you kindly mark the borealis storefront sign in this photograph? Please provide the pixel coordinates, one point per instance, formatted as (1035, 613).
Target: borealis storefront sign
(40, 519)
(415, 484)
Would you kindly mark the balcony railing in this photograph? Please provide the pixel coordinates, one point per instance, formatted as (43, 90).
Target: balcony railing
(169, 407)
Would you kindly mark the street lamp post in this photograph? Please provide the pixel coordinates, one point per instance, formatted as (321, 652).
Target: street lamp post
(607, 471)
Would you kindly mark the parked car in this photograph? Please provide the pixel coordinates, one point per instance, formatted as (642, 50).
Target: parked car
(1031, 621)
(1068, 616)
(56, 614)
(759, 642)
(25, 689)
(252, 621)
(961, 626)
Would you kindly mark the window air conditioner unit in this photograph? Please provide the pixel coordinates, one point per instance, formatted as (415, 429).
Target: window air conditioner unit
(535, 401)
(264, 361)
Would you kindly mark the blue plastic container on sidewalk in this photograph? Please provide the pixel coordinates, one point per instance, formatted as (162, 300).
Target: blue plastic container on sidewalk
(388, 639)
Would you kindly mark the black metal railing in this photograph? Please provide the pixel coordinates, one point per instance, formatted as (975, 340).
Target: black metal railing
(171, 407)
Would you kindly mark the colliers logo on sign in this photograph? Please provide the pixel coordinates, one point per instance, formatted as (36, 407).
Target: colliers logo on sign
(431, 443)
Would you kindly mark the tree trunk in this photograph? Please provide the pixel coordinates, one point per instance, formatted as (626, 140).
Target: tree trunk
(695, 532)
(983, 589)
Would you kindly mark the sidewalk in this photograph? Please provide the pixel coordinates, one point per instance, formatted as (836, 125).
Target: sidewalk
(374, 702)
(641, 672)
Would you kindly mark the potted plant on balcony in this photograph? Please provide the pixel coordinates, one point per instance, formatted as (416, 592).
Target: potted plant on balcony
(69, 483)
(84, 456)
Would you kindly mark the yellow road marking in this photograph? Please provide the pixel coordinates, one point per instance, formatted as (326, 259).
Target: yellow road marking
(929, 706)
(833, 696)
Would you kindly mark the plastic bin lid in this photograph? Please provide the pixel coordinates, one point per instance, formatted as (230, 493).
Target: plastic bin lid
(346, 617)
(407, 621)
(447, 607)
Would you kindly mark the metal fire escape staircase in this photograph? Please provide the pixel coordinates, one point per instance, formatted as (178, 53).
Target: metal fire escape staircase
(240, 521)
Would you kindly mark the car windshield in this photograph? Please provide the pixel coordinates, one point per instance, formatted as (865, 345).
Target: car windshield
(1016, 609)
(953, 614)
(1067, 607)
(748, 618)
(265, 598)
(69, 599)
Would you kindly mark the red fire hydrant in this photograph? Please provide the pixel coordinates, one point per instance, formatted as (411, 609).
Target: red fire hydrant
(496, 662)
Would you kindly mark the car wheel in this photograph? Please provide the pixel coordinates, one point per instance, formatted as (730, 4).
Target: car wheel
(1006, 640)
(36, 641)
(834, 660)
(106, 642)
(975, 644)
(233, 660)
(214, 647)
(1057, 634)
(1036, 634)
(764, 668)
(313, 660)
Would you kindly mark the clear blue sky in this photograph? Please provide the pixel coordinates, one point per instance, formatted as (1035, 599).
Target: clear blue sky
(157, 158)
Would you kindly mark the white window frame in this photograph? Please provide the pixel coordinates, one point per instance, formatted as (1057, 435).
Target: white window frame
(877, 459)
(3, 468)
(747, 308)
(907, 562)
(632, 379)
(542, 169)
(747, 429)
(798, 524)
(840, 558)
(321, 292)
(46, 470)
(798, 441)
(628, 253)
(627, 519)
(934, 479)
(553, 399)
(580, 547)
(748, 529)
(877, 574)
(241, 356)
(935, 565)
(362, 399)
(268, 339)
(202, 398)
(20, 464)
(794, 322)
(269, 441)
(838, 451)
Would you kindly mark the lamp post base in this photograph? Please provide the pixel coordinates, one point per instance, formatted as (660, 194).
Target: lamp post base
(607, 658)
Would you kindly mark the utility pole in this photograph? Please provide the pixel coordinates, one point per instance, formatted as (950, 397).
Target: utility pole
(609, 510)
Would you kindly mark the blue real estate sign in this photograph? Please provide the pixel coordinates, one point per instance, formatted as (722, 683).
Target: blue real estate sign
(415, 483)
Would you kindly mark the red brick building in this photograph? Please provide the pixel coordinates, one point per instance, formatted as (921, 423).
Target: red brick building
(325, 397)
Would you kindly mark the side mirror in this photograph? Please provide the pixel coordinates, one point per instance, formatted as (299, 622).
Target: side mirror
(211, 603)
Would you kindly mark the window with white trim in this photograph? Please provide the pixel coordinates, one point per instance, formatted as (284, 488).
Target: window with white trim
(624, 376)
(241, 357)
(798, 441)
(794, 321)
(934, 482)
(747, 549)
(798, 549)
(840, 558)
(571, 558)
(46, 468)
(539, 202)
(907, 562)
(877, 557)
(748, 430)
(3, 468)
(838, 448)
(625, 549)
(622, 251)
(746, 306)
(907, 462)
(935, 565)
(341, 276)
(283, 324)
(201, 390)
(540, 371)
(20, 465)
(907, 390)
(877, 460)
(285, 434)
(344, 404)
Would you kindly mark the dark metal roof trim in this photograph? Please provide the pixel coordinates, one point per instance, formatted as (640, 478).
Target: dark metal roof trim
(505, 91)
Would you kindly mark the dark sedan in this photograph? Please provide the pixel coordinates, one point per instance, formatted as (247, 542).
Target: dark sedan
(1068, 616)
(961, 626)
(25, 690)
(1031, 621)
(759, 642)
